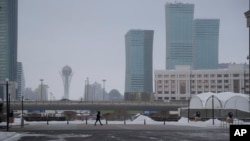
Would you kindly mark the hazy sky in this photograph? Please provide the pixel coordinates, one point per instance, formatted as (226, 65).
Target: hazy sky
(88, 35)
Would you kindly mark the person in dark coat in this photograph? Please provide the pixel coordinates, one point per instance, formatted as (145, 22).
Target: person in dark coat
(98, 118)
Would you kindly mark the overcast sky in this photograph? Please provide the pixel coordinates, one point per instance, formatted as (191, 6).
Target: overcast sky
(88, 35)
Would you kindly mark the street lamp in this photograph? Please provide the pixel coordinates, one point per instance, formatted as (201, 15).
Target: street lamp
(103, 88)
(22, 122)
(7, 104)
(41, 87)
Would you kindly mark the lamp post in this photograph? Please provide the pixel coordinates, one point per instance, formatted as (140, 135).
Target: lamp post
(22, 122)
(103, 88)
(41, 88)
(7, 104)
(213, 108)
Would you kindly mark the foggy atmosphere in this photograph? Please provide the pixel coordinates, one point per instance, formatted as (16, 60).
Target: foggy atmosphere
(137, 70)
(89, 36)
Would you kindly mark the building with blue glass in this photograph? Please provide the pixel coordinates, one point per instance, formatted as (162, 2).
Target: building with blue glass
(8, 39)
(189, 41)
(179, 38)
(8, 46)
(139, 61)
(206, 42)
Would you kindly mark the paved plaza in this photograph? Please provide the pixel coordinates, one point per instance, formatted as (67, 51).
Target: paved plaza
(118, 132)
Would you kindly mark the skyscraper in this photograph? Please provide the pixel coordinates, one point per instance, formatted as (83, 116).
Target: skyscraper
(188, 41)
(20, 81)
(179, 38)
(206, 42)
(139, 53)
(8, 39)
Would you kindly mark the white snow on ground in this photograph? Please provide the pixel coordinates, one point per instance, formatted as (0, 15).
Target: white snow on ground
(141, 119)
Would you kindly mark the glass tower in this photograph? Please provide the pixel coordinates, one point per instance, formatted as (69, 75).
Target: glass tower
(8, 39)
(179, 38)
(20, 81)
(139, 52)
(206, 40)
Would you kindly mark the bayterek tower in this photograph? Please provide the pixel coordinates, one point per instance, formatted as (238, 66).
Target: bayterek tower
(66, 75)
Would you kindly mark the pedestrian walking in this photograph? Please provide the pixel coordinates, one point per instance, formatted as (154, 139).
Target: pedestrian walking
(98, 118)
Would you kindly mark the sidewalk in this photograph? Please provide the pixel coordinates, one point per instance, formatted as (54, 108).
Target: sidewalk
(108, 127)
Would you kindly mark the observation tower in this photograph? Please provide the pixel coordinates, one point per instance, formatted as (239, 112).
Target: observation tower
(66, 75)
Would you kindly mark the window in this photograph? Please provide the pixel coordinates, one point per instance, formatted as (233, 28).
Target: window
(235, 75)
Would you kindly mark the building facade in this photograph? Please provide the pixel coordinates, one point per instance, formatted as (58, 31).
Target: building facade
(189, 41)
(181, 83)
(20, 81)
(42, 92)
(139, 61)
(206, 42)
(179, 39)
(94, 92)
(8, 39)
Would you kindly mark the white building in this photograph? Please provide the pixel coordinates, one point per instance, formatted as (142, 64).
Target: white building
(41, 92)
(181, 83)
(94, 92)
(12, 90)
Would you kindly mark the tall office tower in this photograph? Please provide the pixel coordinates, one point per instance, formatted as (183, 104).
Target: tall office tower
(66, 77)
(20, 81)
(139, 52)
(8, 39)
(206, 42)
(179, 38)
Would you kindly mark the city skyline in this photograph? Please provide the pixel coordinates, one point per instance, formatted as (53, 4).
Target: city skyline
(89, 37)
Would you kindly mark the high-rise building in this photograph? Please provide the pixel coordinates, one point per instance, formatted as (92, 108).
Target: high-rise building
(139, 53)
(94, 92)
(20, 81)
(188, 41)
(179, 37)
(206, 42)
(8, 39)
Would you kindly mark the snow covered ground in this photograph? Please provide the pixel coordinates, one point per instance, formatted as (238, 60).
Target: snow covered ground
(141, 119)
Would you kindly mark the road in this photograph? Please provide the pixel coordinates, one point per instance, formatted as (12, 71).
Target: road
(119, 132)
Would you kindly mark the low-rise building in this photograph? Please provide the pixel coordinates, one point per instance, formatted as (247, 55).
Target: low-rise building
(181, 83)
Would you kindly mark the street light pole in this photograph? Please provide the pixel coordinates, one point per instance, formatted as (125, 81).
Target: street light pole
(103, 88)
(213, 108)
(7, 104)
(22, 122)
(41, 88)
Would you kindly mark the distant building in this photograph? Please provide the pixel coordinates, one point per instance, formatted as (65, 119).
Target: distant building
(20, 81)
(189, 41)
(94, 92)
(42, 92)
(8, 39)
(29, 94)
(12, 90)
(139, 53)
(179, 34)
(114, 95)
(8, 43)
(182, 82)
(206, 42)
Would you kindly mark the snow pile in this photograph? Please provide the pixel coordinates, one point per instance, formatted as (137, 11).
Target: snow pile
(142, 118)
